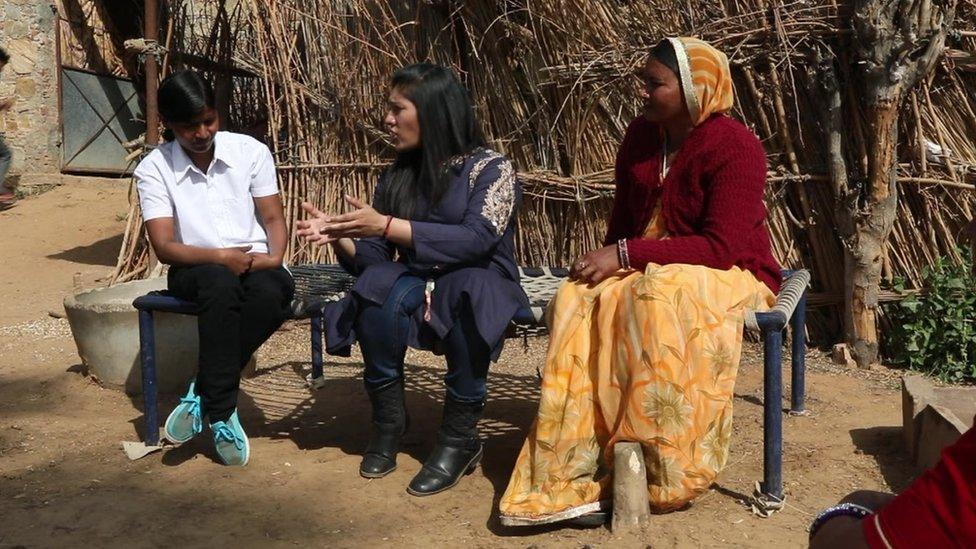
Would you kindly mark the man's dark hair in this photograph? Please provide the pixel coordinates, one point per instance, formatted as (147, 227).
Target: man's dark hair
(4, 56)
(448, 128)
(184, 95)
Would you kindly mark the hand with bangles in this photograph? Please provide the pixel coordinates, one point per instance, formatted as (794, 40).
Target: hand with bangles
(596, 266)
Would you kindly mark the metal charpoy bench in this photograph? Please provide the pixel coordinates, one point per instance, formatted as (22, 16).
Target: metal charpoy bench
(316, 285)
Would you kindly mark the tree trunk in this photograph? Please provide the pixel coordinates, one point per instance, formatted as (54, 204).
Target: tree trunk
(896, 45)
(873, 224)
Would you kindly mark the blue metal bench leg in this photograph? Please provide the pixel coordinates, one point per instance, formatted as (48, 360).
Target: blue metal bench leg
(318, 327)
(147, 355)
(798, 367)
(772, 413)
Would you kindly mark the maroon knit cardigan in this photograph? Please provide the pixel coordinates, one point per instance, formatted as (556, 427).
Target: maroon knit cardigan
(711, 199)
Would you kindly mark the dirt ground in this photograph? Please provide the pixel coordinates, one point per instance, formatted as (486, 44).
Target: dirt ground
(64, 480)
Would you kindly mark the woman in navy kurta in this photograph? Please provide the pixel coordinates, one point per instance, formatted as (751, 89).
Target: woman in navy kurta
(435, 268)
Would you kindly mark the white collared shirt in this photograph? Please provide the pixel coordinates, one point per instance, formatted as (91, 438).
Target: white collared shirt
(213, 209)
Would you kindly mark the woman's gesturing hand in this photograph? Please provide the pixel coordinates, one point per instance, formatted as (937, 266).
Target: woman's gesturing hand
(596, 266)
(363, 221)
(311, 228)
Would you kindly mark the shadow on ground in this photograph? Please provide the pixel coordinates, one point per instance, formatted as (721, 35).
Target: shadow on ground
(887, 447)
(277, 404)
(104, 252)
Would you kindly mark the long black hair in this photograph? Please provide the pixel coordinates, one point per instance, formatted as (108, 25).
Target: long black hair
(184, 95)
(448, 129)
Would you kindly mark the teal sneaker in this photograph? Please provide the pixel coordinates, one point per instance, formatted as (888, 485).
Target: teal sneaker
(186, 420)
(230, 441)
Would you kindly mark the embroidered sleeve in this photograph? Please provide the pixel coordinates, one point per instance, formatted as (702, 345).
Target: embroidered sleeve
(493, 196)
(500, 195)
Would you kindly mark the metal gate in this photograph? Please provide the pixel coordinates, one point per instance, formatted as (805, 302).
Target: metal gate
(98, 114)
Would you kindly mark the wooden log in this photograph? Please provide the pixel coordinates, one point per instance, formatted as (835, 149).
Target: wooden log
(631, 509)
(151, 31)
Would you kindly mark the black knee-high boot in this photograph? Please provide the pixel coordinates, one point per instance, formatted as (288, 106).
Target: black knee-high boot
(390, 421)
(457, 452)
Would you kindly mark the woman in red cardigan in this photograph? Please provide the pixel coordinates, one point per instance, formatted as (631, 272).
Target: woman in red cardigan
(937, 510)
(646, 338)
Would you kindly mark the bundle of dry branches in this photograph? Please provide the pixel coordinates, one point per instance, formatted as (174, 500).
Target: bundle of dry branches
(553, 88)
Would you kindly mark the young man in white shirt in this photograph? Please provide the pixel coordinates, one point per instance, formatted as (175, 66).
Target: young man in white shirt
(213, 213)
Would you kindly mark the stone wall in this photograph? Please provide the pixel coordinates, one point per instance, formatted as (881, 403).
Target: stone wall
(27, 32)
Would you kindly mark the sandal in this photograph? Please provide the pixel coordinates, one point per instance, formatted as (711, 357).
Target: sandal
(7, 201)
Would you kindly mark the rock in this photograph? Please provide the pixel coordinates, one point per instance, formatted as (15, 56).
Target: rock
(24, 121)
(45, 14)
(17, 30)
(25, 88)
(13, 12)
(842, 355)
(54, 313)
(23, 55)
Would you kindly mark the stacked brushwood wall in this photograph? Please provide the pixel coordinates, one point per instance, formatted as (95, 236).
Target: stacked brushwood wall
(554, 88)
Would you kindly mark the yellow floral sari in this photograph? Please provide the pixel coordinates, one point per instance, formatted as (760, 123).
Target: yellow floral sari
(648, 357)
(643, 356)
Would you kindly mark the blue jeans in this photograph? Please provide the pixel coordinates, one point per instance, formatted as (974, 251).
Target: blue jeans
(382, 332)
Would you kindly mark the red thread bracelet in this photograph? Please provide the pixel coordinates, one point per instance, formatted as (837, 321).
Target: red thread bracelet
(386, 230)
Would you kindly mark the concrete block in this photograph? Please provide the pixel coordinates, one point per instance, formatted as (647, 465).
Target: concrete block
(937, 428)
(933, 417)
(961, 401)
(916, 393)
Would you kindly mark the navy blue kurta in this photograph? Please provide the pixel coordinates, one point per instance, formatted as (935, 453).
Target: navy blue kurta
(465, 245)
